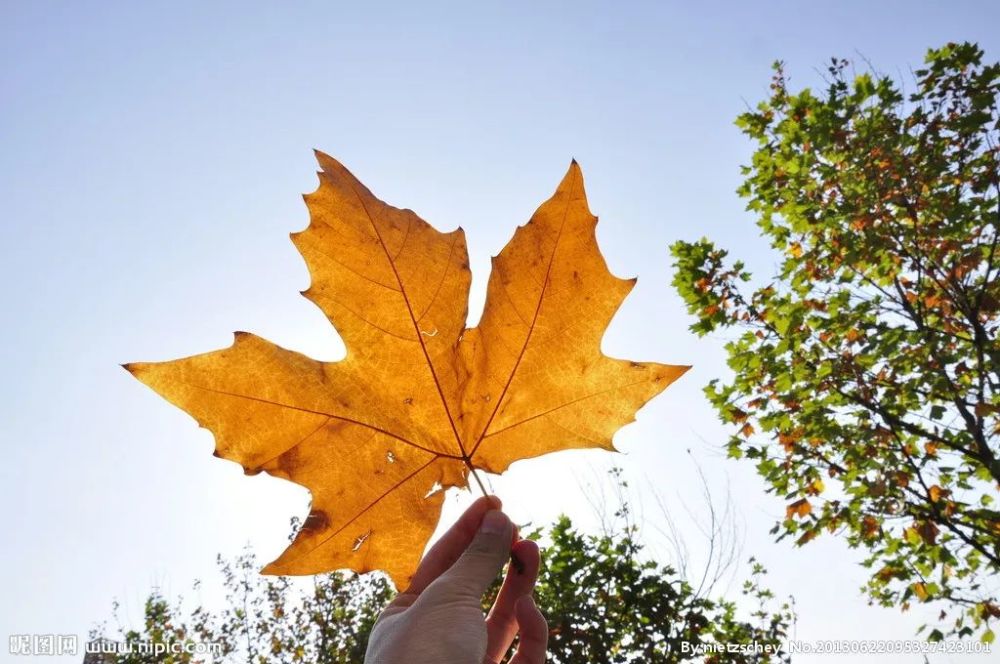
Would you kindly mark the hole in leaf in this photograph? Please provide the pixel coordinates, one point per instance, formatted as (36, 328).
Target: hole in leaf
(390, 457)
(361, 540)
(434, 489)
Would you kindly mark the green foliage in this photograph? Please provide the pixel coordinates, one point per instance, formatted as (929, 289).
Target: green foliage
(604, 601)
(163, 624)
(865, 382)
(265, 619)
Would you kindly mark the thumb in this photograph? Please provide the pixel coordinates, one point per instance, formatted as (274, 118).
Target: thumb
(488, 552)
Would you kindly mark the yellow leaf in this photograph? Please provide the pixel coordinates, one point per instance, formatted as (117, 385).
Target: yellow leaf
(799, 508)
(420, 401)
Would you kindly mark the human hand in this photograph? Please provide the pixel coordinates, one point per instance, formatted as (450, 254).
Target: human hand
(439, 618)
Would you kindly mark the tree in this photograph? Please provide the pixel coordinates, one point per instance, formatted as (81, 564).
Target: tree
(606, 603)
(265, 619)
(865, 373)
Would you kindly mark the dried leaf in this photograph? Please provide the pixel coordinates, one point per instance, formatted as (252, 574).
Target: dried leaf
(800, 508)
(419, 401)
(928, 531)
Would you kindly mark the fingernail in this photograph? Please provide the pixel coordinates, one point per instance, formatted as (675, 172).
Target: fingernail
(494, 523)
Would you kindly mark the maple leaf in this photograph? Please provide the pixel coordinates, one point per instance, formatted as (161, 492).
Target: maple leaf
(800, 508)
(419, 402)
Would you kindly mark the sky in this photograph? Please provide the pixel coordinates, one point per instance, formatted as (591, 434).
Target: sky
(152, 164)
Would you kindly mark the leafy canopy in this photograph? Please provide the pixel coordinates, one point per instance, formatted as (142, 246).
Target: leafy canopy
(865, 380)
(420, 402)
(623, 609)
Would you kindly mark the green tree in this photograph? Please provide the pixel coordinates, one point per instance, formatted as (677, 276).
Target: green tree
(606, 603)
(163, 623)
(865, 372)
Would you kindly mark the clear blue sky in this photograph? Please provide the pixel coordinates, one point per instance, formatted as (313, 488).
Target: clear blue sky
(153, 156)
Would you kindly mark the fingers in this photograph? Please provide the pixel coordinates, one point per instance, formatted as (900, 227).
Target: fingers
(452, 544)
(534, 633)
(501, 625)
(485, 556)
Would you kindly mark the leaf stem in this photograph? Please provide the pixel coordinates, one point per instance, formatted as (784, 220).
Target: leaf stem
(482, 487)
